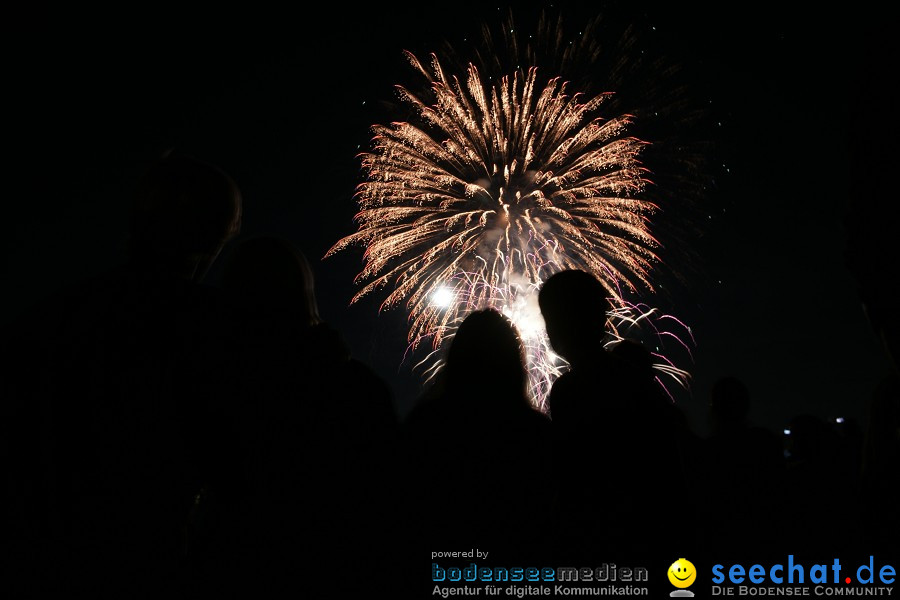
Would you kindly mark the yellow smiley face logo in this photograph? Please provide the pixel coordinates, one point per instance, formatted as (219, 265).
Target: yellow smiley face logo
(682, 573)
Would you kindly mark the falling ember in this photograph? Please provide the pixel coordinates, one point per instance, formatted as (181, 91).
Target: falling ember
(495, 188)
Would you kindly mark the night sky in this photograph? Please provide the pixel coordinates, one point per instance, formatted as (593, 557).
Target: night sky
(283, 102)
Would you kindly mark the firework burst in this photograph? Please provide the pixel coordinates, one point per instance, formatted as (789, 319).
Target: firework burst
(496, 185)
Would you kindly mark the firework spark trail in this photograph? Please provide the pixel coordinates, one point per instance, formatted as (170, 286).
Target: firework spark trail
(496, 188)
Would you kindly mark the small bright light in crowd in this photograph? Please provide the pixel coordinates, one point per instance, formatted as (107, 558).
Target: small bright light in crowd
(442, 297)
(787, 432)
(839, 420)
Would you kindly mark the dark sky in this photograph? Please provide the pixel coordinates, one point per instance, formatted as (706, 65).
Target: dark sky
(283, 101)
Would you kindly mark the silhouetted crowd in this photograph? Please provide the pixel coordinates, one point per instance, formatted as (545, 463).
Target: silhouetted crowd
(164, 436)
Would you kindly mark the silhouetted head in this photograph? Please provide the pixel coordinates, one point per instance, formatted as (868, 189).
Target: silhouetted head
(729, 403)
(183, 213)
(271, 274)
(574, 304)
(486, 359)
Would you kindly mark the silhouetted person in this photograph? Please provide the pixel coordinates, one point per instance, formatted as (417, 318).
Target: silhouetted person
(652, 398)
(477, 452)
(315, 430)
(184, 212)
(664, 426)
(573, 305)
(607, 423)
(120, 446)
(744, 498)
(662, 418)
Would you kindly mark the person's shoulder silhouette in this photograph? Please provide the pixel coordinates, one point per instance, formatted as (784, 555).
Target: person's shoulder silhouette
(604, 408)
(475, 434)
(483, 380)
(316, 426)
(270, 287)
